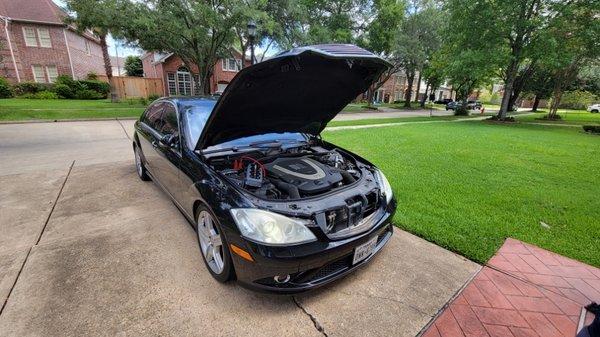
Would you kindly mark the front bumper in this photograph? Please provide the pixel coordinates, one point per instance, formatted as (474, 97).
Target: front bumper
(309, 265)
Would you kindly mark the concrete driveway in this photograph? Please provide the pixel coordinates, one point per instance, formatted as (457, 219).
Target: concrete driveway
(89, 249)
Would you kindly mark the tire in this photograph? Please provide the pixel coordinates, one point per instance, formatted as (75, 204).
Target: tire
(213, 245)
(594, 111)
(140, 167)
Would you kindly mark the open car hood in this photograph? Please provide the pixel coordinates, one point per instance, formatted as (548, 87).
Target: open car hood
(300, 90)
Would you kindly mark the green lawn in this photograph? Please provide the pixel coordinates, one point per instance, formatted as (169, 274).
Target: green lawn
(579, 117)
(468, 185)
(396, 120)
(24, 109)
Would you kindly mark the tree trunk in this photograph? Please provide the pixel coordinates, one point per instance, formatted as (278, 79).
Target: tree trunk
(108, 68)
(424, 98)
(408, 95)
(418, 88)
(370, 94)
(511, 74)
(536, 103)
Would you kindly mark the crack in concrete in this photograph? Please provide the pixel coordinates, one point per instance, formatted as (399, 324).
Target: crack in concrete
(417, 309)
(38, 239)
(123, 127)
(312, 318)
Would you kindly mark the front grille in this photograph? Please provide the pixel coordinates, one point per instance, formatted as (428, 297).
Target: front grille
(350, 215)
(325, 271)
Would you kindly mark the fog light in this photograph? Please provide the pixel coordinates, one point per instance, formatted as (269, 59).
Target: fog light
(282, 278)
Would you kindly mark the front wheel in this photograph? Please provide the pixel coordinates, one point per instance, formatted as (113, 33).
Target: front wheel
(213, 246)
(594, 111)
(139, 165)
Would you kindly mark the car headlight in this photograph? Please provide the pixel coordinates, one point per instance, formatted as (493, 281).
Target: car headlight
(386, 188)
(271, 228)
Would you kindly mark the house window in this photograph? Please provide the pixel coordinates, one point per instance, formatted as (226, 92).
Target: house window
(87, 47)
(44, 37)
(38, 73)
(52, 73)
(184, 82)
(231, 64)
(221, 87)
(29, 34)
(172, 84)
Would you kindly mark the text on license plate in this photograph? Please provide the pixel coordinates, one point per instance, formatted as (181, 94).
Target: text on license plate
(363, 251)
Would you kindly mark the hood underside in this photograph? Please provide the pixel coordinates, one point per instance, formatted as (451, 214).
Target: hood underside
(297, 91)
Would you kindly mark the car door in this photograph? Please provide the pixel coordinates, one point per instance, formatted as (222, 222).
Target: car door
(150, 125)
(168, 158)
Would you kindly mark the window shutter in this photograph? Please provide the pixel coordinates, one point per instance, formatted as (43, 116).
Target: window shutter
(29, 35)
(44, 37)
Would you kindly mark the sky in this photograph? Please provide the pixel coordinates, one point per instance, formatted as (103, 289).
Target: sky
(115, 47)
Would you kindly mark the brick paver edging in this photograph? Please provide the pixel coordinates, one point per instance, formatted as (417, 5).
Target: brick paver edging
(523, 291)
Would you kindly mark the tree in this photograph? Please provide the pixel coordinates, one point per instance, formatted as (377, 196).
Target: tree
(540, 85)
(199, 32)
(380, 38)
(133, 66)
(575, 30)
(334, 21)
(98, 17)
(419, 37)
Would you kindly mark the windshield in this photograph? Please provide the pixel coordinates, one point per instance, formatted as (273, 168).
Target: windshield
(196, 116)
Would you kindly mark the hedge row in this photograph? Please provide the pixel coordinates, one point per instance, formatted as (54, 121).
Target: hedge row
(64, 87)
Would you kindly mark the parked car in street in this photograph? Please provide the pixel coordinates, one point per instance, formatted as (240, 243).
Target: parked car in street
(471, 105)
(443, 101)
(595, 108)
(274, 205)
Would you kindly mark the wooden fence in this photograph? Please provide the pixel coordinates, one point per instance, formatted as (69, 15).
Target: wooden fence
(135, 87)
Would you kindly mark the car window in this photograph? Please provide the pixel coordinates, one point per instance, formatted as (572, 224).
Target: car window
(169, 120)
(153, 115)
(196, 116)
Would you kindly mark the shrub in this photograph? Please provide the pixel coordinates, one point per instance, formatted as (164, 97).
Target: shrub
(99, 87)
(6, 90)
(153, 97)
(44, 94)
(506, 119)
(64, 91)
(92, 76)
(461, 111)
(143, 101)
(577, 99)
(88, 94)
(27, 88)
(66, 80)
(592, 128)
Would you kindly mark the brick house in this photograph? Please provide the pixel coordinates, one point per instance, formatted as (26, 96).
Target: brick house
(179, 80)
(35, 44)
(395, 87)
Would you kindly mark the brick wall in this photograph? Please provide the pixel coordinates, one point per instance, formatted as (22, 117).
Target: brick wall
(28, 56)
(83, 64)
(57, 55)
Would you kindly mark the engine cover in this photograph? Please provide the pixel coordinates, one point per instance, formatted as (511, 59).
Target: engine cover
(307, 174)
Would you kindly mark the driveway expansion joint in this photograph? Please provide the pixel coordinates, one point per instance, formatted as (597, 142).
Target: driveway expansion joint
(312, 318)
(38, 238)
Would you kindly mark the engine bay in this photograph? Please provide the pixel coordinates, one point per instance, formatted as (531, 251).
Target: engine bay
(289, 174)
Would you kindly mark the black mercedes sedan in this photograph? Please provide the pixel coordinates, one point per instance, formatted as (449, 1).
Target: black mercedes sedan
(274, 205)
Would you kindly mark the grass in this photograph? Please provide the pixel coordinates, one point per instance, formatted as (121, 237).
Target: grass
(579, 117)
(467, 186)
(31, 109)
(395, 120)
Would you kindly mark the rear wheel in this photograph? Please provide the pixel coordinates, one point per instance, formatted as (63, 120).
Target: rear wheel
(139, 165)
(595, 111)
(213, 246)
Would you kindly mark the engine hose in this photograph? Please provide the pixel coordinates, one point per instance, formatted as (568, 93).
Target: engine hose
(291, 190)
(348, 178)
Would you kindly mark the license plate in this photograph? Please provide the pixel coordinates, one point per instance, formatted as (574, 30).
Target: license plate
(363, 251)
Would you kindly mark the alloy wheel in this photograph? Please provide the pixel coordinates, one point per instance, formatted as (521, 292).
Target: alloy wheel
(210, 242)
